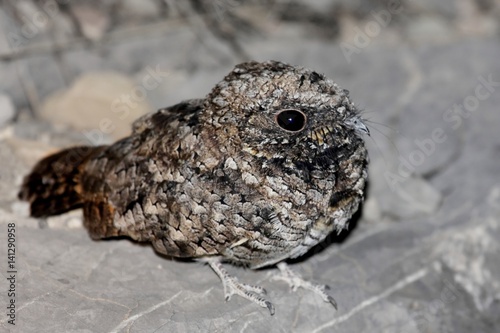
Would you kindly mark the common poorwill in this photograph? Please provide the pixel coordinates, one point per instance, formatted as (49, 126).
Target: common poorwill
(261, 170)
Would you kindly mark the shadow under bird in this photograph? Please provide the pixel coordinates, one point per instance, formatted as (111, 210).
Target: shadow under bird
(260, 171)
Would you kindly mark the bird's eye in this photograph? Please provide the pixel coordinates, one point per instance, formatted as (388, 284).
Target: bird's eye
(291, 120)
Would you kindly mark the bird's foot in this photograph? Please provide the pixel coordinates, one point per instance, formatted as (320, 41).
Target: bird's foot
(233, 286)
(296, 281)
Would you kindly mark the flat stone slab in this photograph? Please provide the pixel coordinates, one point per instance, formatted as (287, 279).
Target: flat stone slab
(422, 257)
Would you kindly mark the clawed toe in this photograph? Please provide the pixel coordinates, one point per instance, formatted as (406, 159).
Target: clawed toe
(255, 289)
(270, 307)
(233, 286)
(332, 301)
(256, 294)
(296, 281)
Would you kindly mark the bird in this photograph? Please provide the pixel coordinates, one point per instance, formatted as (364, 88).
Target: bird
(258, 172)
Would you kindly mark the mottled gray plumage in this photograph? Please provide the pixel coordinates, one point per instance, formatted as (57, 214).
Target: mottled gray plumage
(261, 170)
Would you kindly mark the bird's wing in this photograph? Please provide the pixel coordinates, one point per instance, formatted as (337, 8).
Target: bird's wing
(166, 115)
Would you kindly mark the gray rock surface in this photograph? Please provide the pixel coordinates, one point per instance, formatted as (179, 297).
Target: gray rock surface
(422, 257)
(101, 105)
(7, 110)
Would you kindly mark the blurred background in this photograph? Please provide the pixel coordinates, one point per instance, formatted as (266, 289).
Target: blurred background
(423, 256)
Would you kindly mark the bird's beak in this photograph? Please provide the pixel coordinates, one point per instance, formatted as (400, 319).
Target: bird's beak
(358, 125)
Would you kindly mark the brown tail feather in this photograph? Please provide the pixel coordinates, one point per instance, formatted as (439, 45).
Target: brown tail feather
(53, 186)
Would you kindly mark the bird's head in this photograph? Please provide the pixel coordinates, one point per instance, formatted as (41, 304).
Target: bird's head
(279, 112)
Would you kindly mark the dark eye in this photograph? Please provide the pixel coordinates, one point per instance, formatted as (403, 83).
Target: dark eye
(291, 120)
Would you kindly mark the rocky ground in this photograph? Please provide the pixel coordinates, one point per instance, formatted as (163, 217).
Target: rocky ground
(423, 255)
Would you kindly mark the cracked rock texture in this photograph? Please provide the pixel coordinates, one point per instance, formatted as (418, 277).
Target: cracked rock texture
(422, 257)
